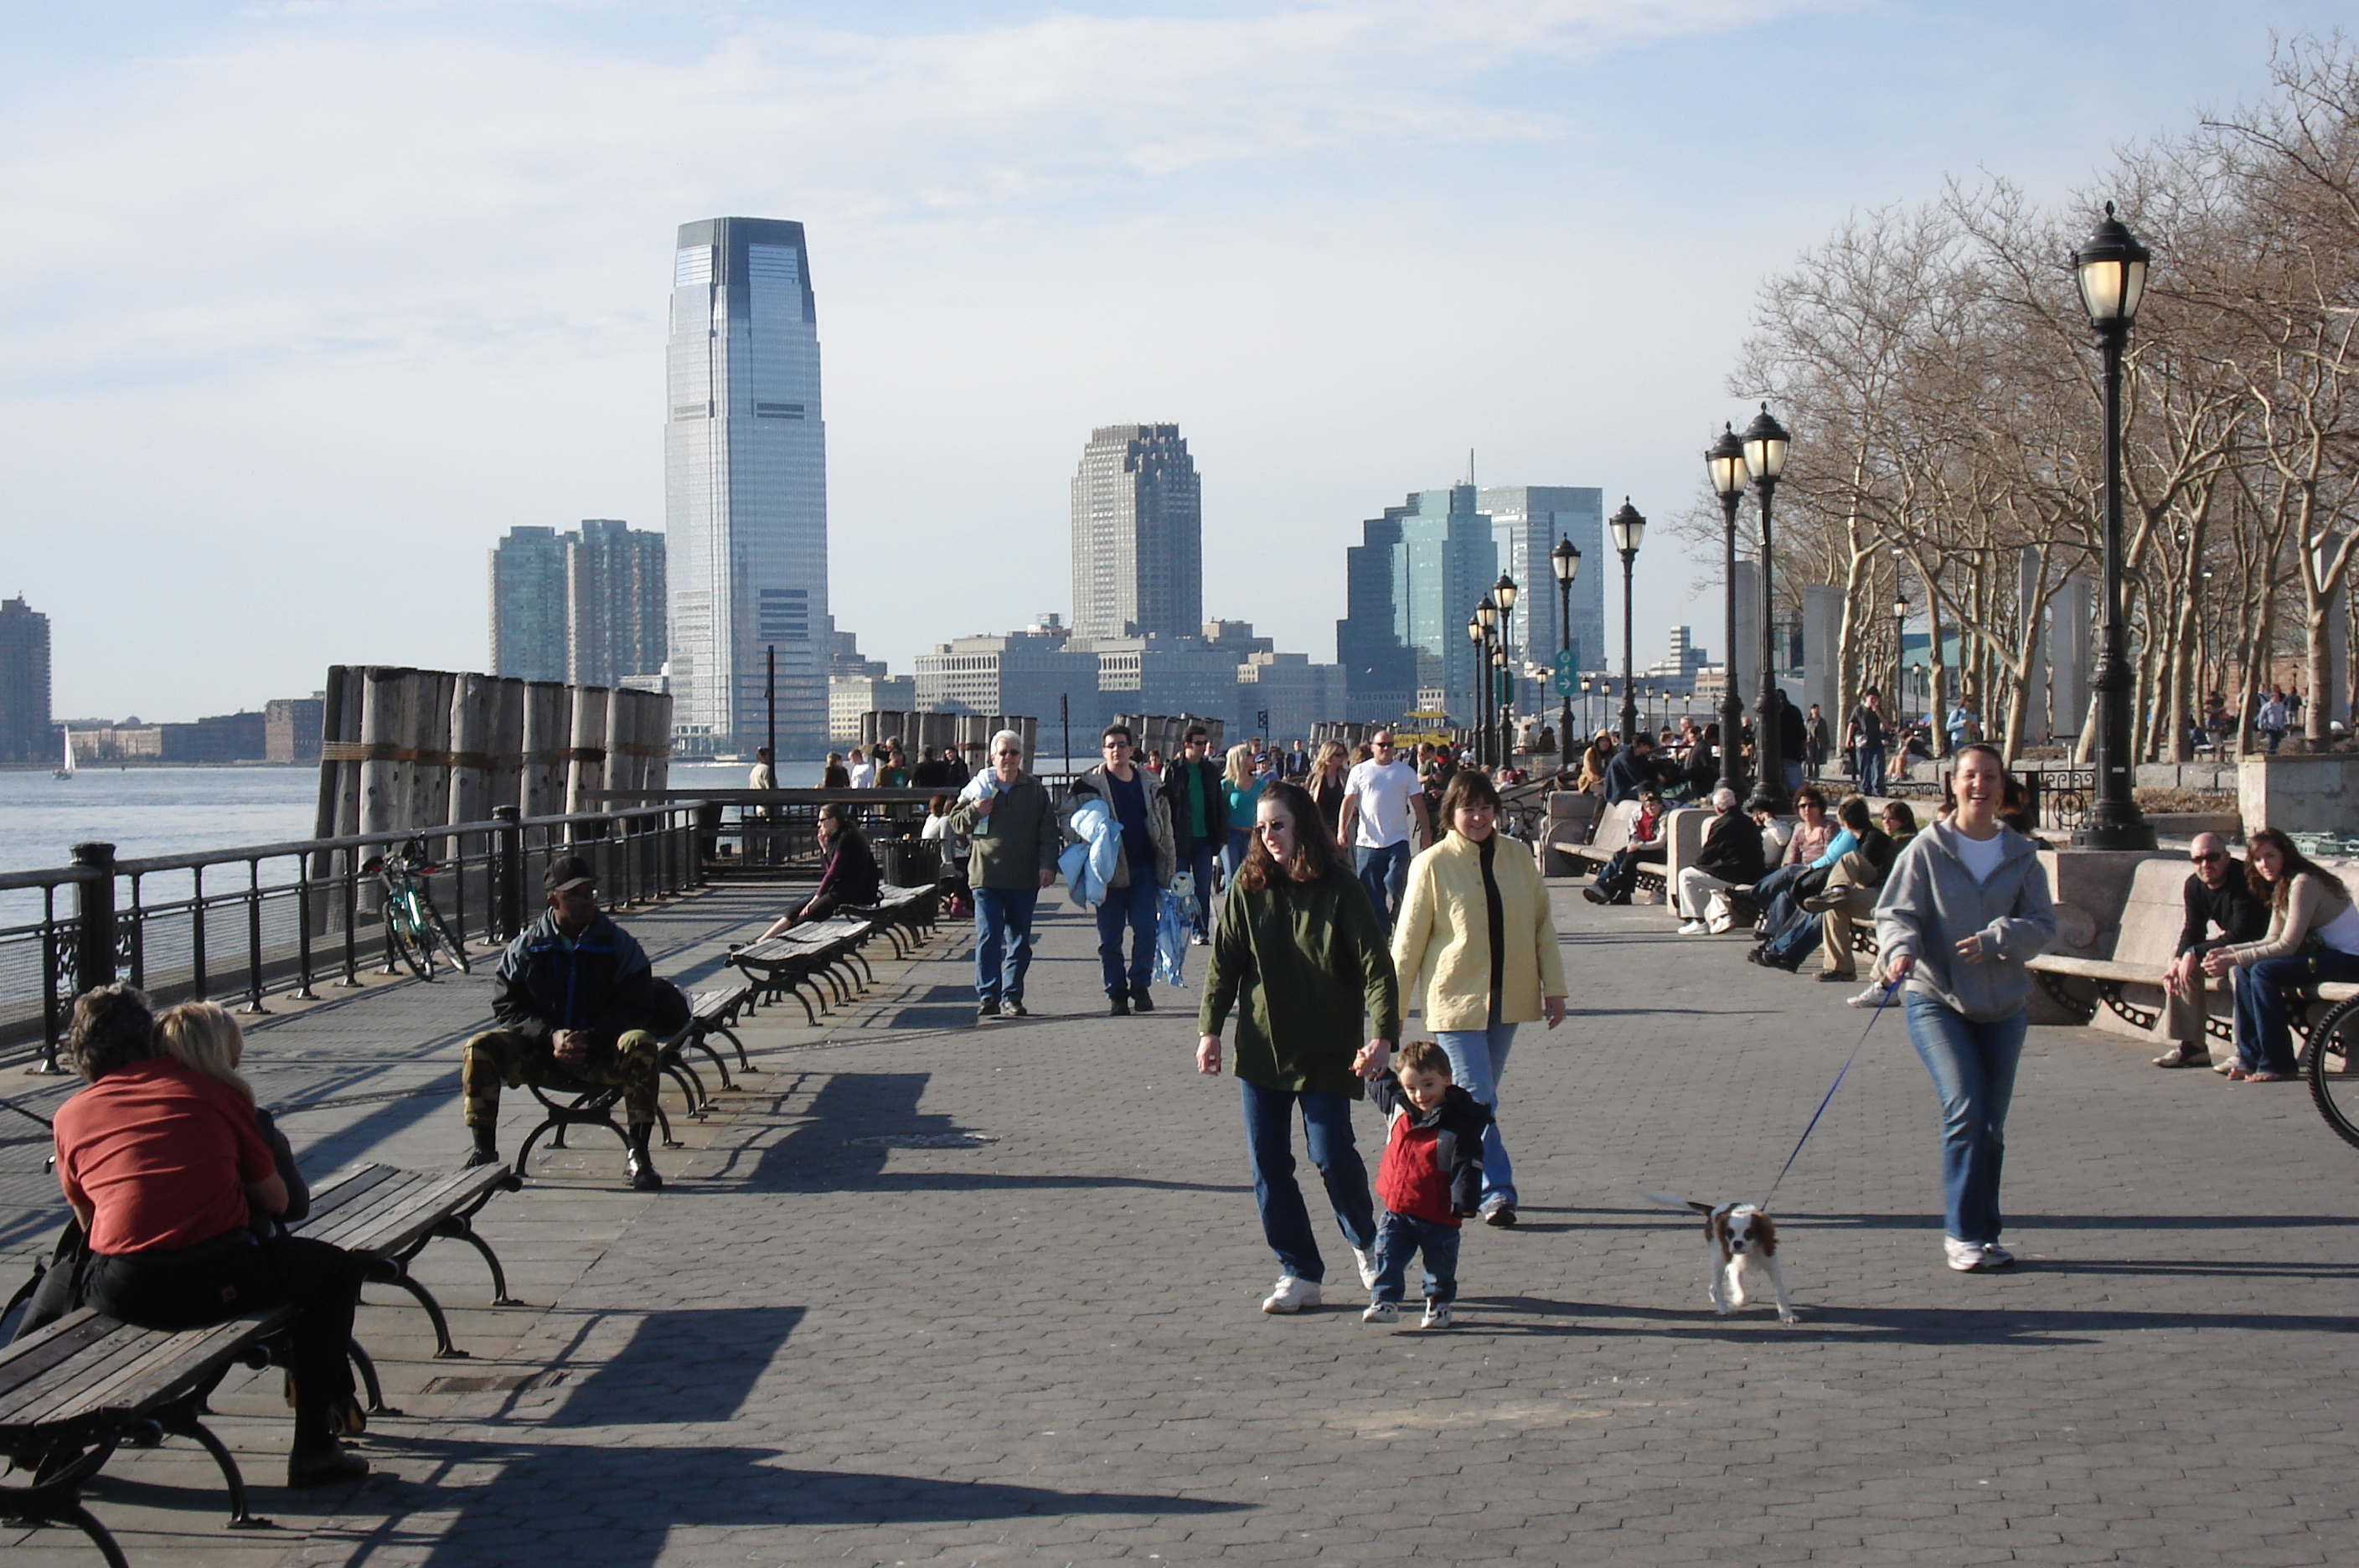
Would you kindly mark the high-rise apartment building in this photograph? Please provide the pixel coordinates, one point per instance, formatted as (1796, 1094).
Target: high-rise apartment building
(25, 735)
(584, 606)
(1525, 522)
(745, 485)
(1413, 584)
(1138, 545)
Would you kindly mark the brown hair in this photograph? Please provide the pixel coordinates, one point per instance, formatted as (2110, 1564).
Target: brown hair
(113, 1027)
(1468, 787)
(1425, 1056)
(1315, 855)
(1812, 793)
(2296, 863)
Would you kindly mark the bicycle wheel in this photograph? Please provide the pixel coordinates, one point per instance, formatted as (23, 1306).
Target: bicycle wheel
(2331, 1061)
(442, 934)
(404, 941)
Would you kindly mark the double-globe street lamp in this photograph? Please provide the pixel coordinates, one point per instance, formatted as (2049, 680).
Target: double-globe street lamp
(1628, 529)
(1503, 594)
(1724, 460)
(1564, 561)
(1478, 632)
(2112, 270)
(1765, 444)
(1900, 642)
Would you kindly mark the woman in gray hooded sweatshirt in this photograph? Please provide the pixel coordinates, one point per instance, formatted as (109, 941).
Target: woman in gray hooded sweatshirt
(1964, 911)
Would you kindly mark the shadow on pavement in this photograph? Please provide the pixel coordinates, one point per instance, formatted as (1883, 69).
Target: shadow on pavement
(681, 1367)
(1900, 1325)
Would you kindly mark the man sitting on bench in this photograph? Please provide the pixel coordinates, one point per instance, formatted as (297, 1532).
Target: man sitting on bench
(577, 1001)
(2217, 894)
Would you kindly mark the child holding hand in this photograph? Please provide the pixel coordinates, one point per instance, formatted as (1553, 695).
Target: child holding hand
(1431, 1179)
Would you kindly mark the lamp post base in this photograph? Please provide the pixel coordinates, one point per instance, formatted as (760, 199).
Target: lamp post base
(2132, 833)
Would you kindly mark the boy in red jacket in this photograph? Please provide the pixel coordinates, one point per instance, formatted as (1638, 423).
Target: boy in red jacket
(1431, 1178)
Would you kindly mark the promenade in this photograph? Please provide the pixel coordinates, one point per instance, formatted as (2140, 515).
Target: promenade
(1037, 1344)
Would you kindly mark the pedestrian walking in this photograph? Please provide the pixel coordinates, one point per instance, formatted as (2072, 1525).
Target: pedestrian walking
(1326, 784)
(1299, 957)
(1385, 822)
(1428, 1179)
(1475, 945)
(2272, 719)
(1865, 742)
(1963, 912)
(2313, 939)
(1134, 888)
(1814, 740)
(863, 772)
(1239, 790)
(1200, 821)
(1964, 725)
(762, 775)
(1012, 825)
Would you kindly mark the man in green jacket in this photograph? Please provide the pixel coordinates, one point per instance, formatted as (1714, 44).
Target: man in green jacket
(1200, 821)
(1013, 825)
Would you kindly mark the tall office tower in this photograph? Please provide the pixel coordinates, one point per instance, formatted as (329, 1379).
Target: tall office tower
(614, 608)
(25, 735)
(746, 487)
(1138, 535)
(528, 639)
(1413, 585)
(1527, 521)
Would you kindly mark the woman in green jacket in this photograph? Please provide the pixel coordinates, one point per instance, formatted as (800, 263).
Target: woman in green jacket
(1300, 955)
(1474, 926)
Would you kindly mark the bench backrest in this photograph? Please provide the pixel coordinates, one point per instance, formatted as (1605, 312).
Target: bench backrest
(1570, 813)
(1613, 828)
(2153, 913)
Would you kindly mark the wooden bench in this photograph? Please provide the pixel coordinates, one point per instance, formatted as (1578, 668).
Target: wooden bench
(823, 953)
(73, 1393)
(708, 1013)
(388, 1216)
(905, 915)
(1612, 834)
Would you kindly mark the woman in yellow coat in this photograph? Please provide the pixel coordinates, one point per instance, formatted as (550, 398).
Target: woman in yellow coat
(1475, 944)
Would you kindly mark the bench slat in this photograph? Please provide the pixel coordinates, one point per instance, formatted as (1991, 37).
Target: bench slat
(389, 1196)
(34, 1355)
(134, 1370)
(427, 1204)
(346, 1190)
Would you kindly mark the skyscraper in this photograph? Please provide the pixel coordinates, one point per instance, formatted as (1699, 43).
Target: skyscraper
(25, 684)
(586, 607)
(1138, 547)
(528, 604)
(1527, 521)
(745, 485)
(1413, 585)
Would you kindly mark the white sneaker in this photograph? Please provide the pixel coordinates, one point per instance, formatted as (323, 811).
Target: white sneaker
(1292, 1295)
(1367, 1258)
(1382, 1312)
(1965, 1257)
(1693, 928)
(1437, 1316)
(1866, 999)
(1996, 1257)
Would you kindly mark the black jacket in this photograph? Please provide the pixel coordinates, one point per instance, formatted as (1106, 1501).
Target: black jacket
(1174, 790)
(600, 983)
(1732, 850)
(2232, 908)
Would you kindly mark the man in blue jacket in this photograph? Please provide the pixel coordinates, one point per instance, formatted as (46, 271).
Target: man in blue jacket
(576, 1000)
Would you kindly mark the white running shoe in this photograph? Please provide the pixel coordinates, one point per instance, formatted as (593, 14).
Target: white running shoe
(1382, 1312)
(1694, 928)
(1965, 1257)
(1367, 1258)
(1437, 1316)
(1291, 1295)
(1866, 999)
(1996, 1257)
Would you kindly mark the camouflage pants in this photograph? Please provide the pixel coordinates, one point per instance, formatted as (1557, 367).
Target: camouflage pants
(506, 1056)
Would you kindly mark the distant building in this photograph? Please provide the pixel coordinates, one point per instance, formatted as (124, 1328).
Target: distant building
(290, 729)
(225, 737)
(583, 606)
(1165, 675)
(1527, 521)
(25, 732)
(1679, 673)
(1294, 693)
(745, 485)
(1028, 673)
(1412, 586)
(852, 697)
(1138, 552)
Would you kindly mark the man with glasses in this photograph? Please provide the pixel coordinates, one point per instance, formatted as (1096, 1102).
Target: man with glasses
(2217, 894)
(1200, 818)
(1009, 820)
(1384, 822)
(1141, 872)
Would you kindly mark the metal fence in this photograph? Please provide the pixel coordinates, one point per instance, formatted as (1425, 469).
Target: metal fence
(273, 918)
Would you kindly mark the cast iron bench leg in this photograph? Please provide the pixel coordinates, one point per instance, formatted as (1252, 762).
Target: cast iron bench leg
(390, 1271)
(180, 1419)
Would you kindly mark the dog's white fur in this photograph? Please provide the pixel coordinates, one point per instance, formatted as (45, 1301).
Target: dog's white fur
(1738, 1238)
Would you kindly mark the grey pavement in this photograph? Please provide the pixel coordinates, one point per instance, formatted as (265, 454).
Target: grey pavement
(1037, 1343)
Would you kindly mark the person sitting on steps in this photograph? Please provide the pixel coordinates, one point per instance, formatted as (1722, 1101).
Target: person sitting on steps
(577, 1001)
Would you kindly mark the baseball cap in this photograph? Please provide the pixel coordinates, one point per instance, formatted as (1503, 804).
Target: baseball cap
(569, 871)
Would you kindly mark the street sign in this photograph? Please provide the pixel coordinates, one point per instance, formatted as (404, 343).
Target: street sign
(1568, 679)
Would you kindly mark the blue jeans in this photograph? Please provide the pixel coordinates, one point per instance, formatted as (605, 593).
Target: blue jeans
(1197, 861)
(1327, 1130)
(1400, 1237)
(1478, 1060)
(1134, 906)
(1384, 873)
(1792, 941)
(1871, 770)
(1770, 890)
(1232, 852)
(1003, 941)
(1973, 1072)
(2264, 1029)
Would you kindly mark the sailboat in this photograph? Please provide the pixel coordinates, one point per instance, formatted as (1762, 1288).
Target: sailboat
(66, 770)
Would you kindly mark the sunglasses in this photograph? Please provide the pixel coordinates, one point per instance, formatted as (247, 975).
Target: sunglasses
(2208, 857)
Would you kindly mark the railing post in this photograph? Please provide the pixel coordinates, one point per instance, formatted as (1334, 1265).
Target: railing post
(254, 941)
(303, 992)
(508, 849)
(93, 945)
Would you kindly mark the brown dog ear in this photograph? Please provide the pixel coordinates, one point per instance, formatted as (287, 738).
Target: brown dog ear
(1764, 1235)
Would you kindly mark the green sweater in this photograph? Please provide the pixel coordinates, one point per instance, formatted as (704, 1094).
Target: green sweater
(1309, 963)
(1020, 842)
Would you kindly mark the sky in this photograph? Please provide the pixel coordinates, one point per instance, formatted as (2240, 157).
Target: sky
(303, 305)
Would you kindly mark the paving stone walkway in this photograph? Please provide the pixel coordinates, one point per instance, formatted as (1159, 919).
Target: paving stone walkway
(841, 1335)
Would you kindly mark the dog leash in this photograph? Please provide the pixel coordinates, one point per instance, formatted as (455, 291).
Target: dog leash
(1890, 986)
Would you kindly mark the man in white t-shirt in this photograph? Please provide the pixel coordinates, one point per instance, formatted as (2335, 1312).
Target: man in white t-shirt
(1383, 823)
(863, 772)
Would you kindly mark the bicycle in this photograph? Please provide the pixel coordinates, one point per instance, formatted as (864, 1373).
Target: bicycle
(413, 929)
(2329, 1062)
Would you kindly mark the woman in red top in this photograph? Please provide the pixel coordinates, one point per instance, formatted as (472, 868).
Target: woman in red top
(164, 1166)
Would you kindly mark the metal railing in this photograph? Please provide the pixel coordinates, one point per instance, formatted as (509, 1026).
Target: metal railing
(268, 918)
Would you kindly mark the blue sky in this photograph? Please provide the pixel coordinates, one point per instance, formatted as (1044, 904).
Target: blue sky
(302, 305)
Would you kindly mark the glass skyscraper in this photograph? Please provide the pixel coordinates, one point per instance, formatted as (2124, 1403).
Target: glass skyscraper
(745, 487)
(1139, 551)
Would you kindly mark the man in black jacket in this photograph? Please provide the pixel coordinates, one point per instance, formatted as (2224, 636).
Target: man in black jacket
(576, 1000)
(1731, 856)
(1199, 819)
(2217, 894)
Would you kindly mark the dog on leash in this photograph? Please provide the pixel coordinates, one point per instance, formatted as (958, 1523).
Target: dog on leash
(1738, 1238)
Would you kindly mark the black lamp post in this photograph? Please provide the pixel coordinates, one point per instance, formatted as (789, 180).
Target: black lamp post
(1765, 444)
(1587, 725)
(1899, 636)
(1628, 529)
(1504, 674)
(1478, 631)
(1503, 594)
(2112, 269)
(1565, 561)
(1724, 460)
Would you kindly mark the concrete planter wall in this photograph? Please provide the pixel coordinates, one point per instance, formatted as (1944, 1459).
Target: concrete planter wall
(2311, 793)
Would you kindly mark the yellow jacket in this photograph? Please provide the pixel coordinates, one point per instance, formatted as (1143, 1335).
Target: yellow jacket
(1441, 943)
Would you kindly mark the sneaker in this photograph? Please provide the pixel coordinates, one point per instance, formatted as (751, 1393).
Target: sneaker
(1965, 1257)
(1693, 928)
(1118, 1004)
(2184, 1055)
(987, 1010)
(1012, 1007)
(1291, 1295)
(1198, 938)
(1499, 1213)
(1387, 1312)
(1140, 1002)
(1867, 998)
(1594, 895)
(1367, 1258)
(1996, 1257)
(1437, 1316)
